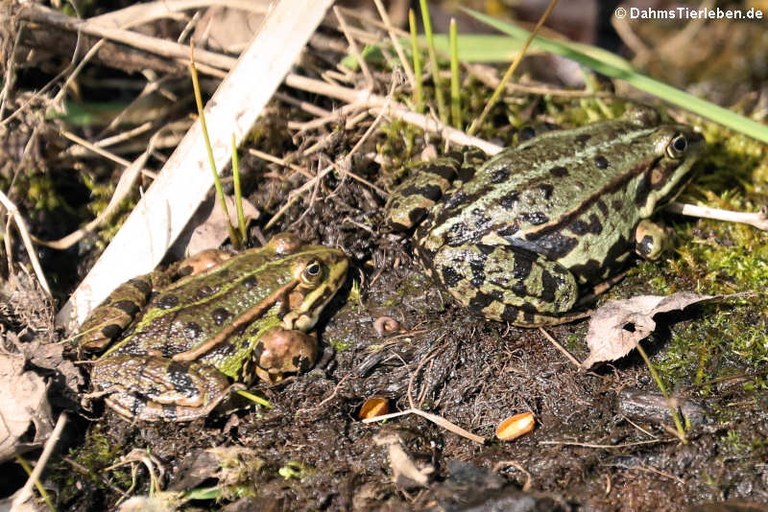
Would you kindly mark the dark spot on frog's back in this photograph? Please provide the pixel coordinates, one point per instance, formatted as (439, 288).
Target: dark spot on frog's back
(111, 331)
(482, 300)
(250, 283)
(601, 162)
(128, 307)
(555, 245)
(478, 272)
(192, 331)
(509, 230)
(167, 301)
(500, 175)
(456, 199)
(535, 218)
(451, 277)
(429, 191)
(582, 139)
(558, 171)
(220, 315)
(509, 200)
(546, 190)
(582, 227)
(602, 207)
(204, 291)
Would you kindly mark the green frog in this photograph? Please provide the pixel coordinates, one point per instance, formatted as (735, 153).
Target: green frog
(535, 233)
(212, 319)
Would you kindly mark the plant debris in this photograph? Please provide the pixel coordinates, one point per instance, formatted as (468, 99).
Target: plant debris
(618, 326)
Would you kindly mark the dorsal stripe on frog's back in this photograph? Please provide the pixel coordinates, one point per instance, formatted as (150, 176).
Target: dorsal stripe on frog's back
(243, 319)
(172, 322)
(617, 183)
(489, 199)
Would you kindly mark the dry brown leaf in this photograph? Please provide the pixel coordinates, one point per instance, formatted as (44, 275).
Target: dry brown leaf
(23, 404)
(212, 231)
(227, 30)
(618, 326)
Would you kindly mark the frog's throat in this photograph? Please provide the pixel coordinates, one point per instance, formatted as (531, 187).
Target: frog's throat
(245, 319)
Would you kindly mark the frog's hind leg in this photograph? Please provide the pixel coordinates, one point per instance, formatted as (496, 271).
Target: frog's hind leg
(507, 284)
(110, 318)
(412, 200)
(152, 388)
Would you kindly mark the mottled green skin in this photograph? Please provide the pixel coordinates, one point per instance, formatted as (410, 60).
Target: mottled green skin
(530, 234)
(208, 328)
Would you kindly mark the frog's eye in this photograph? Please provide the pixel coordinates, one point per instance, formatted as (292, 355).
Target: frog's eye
(313, 272)
(677, 146)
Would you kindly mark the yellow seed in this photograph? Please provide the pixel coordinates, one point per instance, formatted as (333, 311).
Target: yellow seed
(374, 406)
(515, 426)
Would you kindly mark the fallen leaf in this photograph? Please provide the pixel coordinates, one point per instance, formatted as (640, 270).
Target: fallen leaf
(227, 30)
(618, 326)
(210, 223)
(25, 414)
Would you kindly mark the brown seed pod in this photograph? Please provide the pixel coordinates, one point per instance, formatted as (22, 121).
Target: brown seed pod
(515, 426)
(374, 406)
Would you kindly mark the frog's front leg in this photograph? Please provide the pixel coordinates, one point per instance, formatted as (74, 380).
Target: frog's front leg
(652, 239)
(506, 283)
(153, 388)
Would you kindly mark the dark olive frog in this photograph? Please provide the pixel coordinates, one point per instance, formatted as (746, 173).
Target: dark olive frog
(225, 318)
(534, 232)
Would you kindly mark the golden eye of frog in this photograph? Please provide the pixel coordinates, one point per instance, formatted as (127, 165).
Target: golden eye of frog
(213, 319)
(532, 234)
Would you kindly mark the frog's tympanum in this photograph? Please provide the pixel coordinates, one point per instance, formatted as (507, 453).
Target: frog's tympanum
(536, 231)
(224, 318)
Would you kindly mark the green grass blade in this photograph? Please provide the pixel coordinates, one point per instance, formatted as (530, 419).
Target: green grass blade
(209, 149)
(238, 192)
(455, 78)
(418, 73)
(427, 21)
(615, 67)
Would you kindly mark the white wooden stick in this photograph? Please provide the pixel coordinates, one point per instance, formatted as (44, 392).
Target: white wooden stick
(186, 178)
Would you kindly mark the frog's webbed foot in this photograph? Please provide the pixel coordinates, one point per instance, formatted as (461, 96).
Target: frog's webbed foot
(154, 388)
